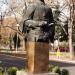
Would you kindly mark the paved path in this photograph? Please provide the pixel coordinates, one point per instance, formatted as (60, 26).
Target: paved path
(64, 65)
(64, 62)
(8, 61)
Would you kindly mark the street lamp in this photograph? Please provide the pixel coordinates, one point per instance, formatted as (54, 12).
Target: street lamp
(17, 38)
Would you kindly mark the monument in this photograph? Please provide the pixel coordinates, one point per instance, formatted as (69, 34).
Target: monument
(38, 27)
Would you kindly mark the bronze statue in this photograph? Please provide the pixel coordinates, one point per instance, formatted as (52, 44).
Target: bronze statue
(38, 23)
(38, 26)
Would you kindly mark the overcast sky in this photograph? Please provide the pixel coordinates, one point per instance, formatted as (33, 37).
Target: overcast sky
(5, 4)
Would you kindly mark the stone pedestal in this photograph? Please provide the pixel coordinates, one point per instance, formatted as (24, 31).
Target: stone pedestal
(38, 57)
(25, 73)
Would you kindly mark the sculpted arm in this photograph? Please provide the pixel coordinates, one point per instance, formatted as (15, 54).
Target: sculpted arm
(33, 23)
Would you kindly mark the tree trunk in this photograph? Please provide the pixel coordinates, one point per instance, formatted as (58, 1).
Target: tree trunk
(70, 29)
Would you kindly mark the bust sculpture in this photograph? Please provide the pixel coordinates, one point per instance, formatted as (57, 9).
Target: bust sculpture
(38, 23)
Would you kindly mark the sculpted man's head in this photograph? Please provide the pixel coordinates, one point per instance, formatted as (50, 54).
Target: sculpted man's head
(42, 0)
(36, 0)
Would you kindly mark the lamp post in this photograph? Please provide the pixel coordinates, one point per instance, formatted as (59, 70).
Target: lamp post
(17, 38)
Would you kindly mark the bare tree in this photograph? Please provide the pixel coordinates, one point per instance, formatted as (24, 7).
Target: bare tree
(15, 7)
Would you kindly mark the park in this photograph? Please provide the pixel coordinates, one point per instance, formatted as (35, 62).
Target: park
(37, 37)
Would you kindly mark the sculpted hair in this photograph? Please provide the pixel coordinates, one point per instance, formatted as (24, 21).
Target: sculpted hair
(42, 1)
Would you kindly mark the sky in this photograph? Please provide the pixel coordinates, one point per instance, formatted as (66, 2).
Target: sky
(3, 5)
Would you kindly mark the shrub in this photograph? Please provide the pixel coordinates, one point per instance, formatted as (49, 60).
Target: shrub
(0, 63)
(63, 46)
(1, 70)
(12, 70)
(64, 72)
(50, 68)
(1, 73)
(56, 69)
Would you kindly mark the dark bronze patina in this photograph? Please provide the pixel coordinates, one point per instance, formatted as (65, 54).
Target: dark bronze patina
(38, 27)
(38, 23)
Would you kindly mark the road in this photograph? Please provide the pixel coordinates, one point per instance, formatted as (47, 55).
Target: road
(8, 61)
(69, 66)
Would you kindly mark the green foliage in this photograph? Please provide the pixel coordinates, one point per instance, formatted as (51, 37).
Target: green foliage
(0, 63)
(61, 28)
(12, 70)
(73, 37)
(63, 44)
(50, 68)
(56, 69)
(64, 72)
(1, 73)
(64, 33)
(1, 70)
